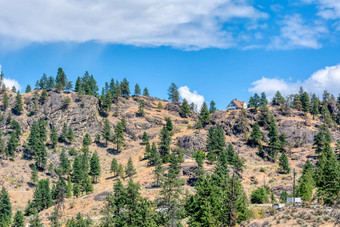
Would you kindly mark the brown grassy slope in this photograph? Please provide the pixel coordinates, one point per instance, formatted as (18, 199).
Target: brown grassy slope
(15, 175)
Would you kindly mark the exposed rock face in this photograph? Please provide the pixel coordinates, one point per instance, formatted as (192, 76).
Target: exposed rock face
(80, 114)
(192, 142)
(173, 107)
(296, 132)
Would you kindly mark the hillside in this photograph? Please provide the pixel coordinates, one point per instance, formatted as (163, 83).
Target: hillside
(84, 115)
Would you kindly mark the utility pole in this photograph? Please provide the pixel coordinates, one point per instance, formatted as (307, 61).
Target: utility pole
(294, 173)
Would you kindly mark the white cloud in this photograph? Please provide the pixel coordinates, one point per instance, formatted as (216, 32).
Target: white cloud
(296, 33)
(328, 9)
(191, 97)
(177, 23)
(10, 82)
(324, 79)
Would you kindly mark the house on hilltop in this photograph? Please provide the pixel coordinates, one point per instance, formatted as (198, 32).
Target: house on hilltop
(236, 105)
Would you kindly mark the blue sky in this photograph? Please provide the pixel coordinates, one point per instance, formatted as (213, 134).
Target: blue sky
(222, 49)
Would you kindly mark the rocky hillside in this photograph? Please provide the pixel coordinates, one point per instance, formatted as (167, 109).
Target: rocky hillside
(84, 115)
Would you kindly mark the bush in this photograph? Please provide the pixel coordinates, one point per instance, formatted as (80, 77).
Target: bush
(259, 196)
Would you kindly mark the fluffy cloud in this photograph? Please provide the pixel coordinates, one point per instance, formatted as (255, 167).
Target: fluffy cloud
(10, 82)
(191, 97)
(324, 79)
(178, 23)
(328, 9)
(296, 33)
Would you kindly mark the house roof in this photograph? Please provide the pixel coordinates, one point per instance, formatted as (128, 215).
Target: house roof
(239, 103)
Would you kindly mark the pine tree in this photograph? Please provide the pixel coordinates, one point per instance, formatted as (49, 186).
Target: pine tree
(255, 136)
(274, 142)
(5, 100)
(114, 166)
(205, 114)
(87, 186)
(171, 191)
(327, 175)
(145, 138)
(40, 156)
(64, 132)
(159, 170)
(306, 182)
(215, 143)
(278, 99)
(125, 89)
(234, 159)
(326, 116)
(199, 158)
(263, 99)
(79, 221)
(65, 164)
(120, 171)
(87, 140)
(322, 138)
(70, 135)
(76, 190)
(35, 221)
(34, 174)
(164, 144)
(12, 144)
(146, 92)
(69, 188)
(77, 172)
(305, 102)
(264, 118)
(119, 136)
(61, 80)
(169, 126)
(185, 109)
(283, 163)
(53, 136)
(315, 105)
(18, 220)
(212, 108)
(106, 131)
(18, 106)
(94, 167)
(137, 90)
(173, 93)
(130, 169)
(5, 208)
(42, 195)
(259, 196)
(159, 106)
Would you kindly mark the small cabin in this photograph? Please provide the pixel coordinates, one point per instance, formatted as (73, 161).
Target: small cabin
(236, 105)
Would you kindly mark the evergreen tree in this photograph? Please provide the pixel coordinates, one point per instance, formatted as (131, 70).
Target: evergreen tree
(119, 136)
(259, 196)
(255, 136)
(18, 106)
(106, 131)
(12, 144)
(69, 188)
(63, 134)
(164, 144)
(274, 142)
(130, 169)
(79, 221)
(40, 156)
(205, 114)
(146, 92)
(43, 97)
(94, 167)
(87, 185)
(28, 89)
(278, 99)
(171, 191)
(263, 99)
(2, 144)
(322, 138)
(157, 161)
(53, 136)
(87, 140)
(169, 126)
(283, 163)
(34, 174)
(5, 100)
(65, 164)
(145, 138)
(212, 108)
(42, 195)
(152, 154)
(306, 182)
(120, 171)
(305, 102)
(147, 153)
(137, 90)
(173, 93)
(159, 106)
(18, 220)
(264, 118)
(315, 105)
(199, 158)
(326, 116)
(77, 172)
(114, 166)
(61, 81)
(35, 221)
(185, 109)
(125, 89)
(327, 175)
(70, 135)
(234, 159)
(5, 208)
(215, 143)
